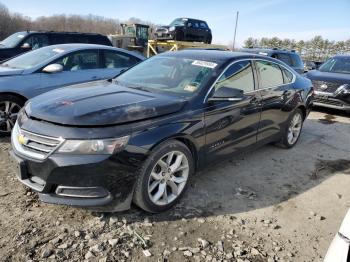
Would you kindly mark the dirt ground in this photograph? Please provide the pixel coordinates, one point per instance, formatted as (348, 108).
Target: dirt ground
(269, 205)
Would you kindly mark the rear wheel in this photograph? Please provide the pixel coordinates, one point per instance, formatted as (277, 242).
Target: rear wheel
(293, 130)
(164, 177)
(208, 40)
(9, 108)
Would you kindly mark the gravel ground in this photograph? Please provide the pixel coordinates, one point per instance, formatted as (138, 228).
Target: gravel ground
(269, 205)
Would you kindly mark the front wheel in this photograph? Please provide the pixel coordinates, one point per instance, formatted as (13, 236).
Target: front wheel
(293, 130)
(9, 108)
(164, 177)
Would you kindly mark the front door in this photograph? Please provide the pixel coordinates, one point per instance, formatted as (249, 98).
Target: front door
(78, 67)
(231, 126)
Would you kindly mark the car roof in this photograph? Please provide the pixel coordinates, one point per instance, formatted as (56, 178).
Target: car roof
(62, 32)
(267, 50)
(214, 55)
(189, 18)
(342, 56)
(76, 47)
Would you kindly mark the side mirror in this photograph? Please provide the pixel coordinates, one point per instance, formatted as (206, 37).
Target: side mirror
(53, 68)
(227, 94)
(26, 46)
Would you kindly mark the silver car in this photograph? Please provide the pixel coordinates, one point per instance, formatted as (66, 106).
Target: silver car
(51, 67)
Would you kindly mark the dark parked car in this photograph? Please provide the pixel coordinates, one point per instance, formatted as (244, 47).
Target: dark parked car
(51, 67)
(332, 83)
(291, 58)
(22, 42)
(185, 29)
(141, 136)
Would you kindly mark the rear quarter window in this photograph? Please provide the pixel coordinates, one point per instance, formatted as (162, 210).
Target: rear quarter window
(270, 74)
(296, 60)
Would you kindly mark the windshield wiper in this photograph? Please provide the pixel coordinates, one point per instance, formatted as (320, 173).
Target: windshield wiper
(140, 88)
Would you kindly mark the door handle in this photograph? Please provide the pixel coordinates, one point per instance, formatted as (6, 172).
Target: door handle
(94, 77)
(254, 100)
(285, 94)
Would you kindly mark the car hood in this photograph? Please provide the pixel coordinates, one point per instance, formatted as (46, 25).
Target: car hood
(328, 77)
(163, 27)
(99, 104)
(6, 71)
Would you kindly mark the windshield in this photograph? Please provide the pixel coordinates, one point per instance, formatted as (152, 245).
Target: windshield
(180, 76)
(178, 22)
(13, 40)
(33, 58)
(336, 65)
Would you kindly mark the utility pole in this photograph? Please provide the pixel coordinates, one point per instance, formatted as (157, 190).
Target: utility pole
(234, 38)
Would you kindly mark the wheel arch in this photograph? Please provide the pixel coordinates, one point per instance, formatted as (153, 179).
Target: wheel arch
(303, 110)
(187, 141)
(15, 94)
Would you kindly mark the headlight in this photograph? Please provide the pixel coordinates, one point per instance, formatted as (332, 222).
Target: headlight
(94, 147)
(172, 28)
(343, 89)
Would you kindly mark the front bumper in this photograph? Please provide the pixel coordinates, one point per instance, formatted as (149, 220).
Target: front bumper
(98, 182)
(164, 35)
(330, 100)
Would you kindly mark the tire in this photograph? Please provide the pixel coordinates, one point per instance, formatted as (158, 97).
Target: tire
(9, 108)
(296, 120)
(208, 40)
(148, 190)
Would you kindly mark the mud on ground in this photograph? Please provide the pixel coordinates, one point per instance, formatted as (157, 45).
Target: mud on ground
(269, 205)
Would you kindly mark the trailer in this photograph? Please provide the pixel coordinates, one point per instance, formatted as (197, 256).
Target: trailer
(157, 46)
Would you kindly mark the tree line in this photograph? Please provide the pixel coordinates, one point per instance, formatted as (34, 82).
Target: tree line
(14, 22)
(315, 49)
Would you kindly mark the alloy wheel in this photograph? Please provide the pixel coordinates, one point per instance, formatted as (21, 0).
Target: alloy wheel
(294, 129)
(8, 115)
(168, 178)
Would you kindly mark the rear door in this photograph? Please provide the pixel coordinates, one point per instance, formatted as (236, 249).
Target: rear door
(276, 91)
(190, 32)
(78, 67)
(204, 31)
(231, 126)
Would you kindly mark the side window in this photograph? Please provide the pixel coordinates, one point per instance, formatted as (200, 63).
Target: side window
(57, 39)
(203, 25)
(239, 75)
(115, 59)
(270, 74)
(287, 75)
(81, 60)
(297, 60)
(285, 58)
(37, 41)
(196, 25)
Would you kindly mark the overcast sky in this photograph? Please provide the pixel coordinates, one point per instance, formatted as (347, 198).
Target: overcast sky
(298, 19)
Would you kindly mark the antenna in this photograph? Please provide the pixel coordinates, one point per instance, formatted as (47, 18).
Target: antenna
(234, 38)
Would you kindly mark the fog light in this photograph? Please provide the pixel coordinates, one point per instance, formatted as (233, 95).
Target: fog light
(82, 192)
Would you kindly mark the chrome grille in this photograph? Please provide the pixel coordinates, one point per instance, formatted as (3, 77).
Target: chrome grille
(34, 145)
(325, 86)
(328, 102)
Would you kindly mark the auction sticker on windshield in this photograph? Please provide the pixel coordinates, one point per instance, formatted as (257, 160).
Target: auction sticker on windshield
(204, 64)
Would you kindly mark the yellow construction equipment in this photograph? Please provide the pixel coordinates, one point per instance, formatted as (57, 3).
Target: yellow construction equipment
(156, 46)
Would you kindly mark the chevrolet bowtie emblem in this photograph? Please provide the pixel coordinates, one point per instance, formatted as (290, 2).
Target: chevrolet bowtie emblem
(22, 139)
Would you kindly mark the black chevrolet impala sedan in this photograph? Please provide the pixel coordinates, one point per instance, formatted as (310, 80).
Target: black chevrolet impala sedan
(141, 136)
